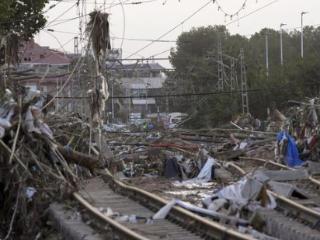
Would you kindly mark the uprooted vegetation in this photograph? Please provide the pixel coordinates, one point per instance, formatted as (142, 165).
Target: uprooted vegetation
(35, 169)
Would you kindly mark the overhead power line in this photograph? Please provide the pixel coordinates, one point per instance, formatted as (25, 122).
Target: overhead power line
(77, 65)
(33, 16)
(256, 90)
(60, 44)
(145, 40)
(137, 59)
(192, 94)
(112, 4)
(63, 21)
(236, 13)
(57, 31)
(159, 53)
(253, 12)
(172, 29)
(62, 14)
(119, 38)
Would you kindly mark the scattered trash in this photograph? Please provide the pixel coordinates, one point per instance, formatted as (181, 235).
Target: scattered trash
(30, 191)
(35, 168)
(287, 147)
(164, 211)
(245, 192)
(47, 153)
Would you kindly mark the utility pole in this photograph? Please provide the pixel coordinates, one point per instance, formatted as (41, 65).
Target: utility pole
(112, 100)
(167, 104)
(244, 86)
(267, 54)
(220, 67)
(302, 13)
(77, 77)
(147, 108)
(281, 43)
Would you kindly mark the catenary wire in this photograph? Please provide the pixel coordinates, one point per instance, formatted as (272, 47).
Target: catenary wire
(256, 90)
(171, 30)
(62, 14)
(78, 63)
(253, 12)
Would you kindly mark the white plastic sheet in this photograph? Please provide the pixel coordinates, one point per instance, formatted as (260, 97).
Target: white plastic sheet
(29, 121)
(4, 123)
(204, 175)
(206, 172)
(235, 192)
(30, 191)
(44, 128)
(244, 191)
(164, 211)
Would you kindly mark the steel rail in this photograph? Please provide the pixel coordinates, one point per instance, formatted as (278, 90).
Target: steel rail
(313, 180)
(267, 161)
(201, 225)
(228, 130)
(295, 208)
(128, 233)
(306, 213)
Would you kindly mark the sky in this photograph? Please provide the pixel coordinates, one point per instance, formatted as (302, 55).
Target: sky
(153, 18)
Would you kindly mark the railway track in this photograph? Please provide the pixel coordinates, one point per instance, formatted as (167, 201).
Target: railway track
(293, 207)
(106, 192)
(269, 164)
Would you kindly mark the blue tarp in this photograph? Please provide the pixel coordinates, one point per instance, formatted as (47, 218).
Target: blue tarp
(292, 155)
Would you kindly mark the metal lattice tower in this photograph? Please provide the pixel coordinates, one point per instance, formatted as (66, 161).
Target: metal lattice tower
(220, 84)
(233, 75)
(244, 86)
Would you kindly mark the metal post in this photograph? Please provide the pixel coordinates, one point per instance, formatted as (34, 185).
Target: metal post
(129, 99)
(76, 78)
(302, 53)
(244, 86)
(112, 100)
(220, 67)
(302, 35)
(267, 55)
(281, 43)
(167, 104)
(146, 99)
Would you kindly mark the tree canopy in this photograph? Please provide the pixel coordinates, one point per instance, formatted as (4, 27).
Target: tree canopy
(22, 17)
(195, 62)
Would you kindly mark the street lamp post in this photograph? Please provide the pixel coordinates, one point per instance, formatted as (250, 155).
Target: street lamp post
(112, 101)
(302, 13)
(267, 54)
(147, 84)
(281, 43)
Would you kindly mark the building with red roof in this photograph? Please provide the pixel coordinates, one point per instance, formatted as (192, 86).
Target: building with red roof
(43, 68)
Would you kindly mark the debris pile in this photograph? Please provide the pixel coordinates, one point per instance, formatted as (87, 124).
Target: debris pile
(248, 192)
(297, 142)
(197, 169)
(44, 155)
(35, 169)
(70, 129)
